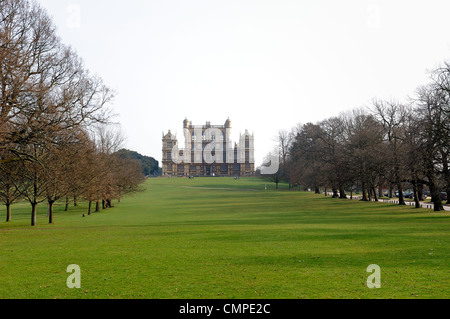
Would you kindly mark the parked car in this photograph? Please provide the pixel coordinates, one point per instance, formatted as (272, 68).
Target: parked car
(443, 196)
(424, 196)
(405, 194)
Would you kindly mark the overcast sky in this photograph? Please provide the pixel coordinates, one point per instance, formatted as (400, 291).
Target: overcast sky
(267, 65)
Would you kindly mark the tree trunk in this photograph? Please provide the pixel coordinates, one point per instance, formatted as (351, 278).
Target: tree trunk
(33, 213)
(374, 190)
(67, 204)
(103, 204)
(335, 193)
(97, 206)
(8, 212)
(342, 194)
(363, 190)
(75, 201)
(50, 211)
(420, 191)
(435, 197)
(447, 190)
(416, 194)
(401, 199)
(89, 207)
(446, 172)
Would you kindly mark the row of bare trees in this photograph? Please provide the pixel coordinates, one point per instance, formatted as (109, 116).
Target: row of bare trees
(49, 103)
(388, 145)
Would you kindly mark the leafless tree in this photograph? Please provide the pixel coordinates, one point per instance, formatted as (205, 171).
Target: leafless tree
(9, 193)
(393, 116)
(42, 81)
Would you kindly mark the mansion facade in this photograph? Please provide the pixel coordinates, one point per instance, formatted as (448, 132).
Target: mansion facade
(208, 151)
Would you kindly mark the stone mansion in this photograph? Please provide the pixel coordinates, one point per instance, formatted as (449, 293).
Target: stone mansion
(208, 151)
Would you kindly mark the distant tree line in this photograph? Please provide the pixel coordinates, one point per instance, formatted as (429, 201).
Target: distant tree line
(55, 140)
(387, 145)
(149, 165)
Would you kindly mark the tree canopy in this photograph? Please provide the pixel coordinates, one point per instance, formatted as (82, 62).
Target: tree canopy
(150, 166)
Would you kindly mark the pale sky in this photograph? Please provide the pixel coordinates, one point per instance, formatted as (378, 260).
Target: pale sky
(267, 65)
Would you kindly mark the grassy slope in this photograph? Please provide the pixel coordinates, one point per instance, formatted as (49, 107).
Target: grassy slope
(178, 241)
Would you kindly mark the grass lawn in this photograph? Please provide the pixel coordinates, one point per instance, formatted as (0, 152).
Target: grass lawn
(225, 238)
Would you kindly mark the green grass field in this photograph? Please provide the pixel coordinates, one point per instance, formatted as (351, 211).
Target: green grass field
(222, 238)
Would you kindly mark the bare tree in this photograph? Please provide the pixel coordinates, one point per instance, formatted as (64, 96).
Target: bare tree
(42, 81)
(393, 115)
(431, 141)
(9, 193)
(48, 101)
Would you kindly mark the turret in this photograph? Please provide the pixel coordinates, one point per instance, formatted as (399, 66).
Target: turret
(228, 123)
